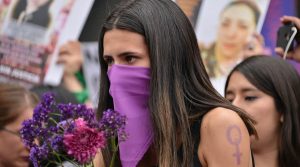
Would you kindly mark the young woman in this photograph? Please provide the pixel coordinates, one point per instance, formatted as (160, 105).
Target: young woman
(152, 72)
(268, 89)
(16, 105)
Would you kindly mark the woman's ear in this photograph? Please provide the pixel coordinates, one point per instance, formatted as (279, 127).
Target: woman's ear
(281, 118)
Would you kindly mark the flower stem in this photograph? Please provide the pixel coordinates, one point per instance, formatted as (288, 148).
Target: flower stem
(53, 120)
(115, 150)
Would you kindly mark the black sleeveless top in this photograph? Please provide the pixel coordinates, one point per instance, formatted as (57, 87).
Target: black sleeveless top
(195, 131)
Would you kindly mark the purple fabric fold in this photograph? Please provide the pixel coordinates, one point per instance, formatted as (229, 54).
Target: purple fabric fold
(129, 88)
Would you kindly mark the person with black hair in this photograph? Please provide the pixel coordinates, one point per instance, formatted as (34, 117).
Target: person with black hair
(152, 72)
(268, 89)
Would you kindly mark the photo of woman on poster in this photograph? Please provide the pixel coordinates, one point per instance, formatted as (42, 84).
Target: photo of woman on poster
(33, 11)
(29, 20)
(233, 33)
(227, 32)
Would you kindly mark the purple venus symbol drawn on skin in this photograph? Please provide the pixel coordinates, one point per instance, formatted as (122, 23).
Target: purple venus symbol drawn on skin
(234, 137)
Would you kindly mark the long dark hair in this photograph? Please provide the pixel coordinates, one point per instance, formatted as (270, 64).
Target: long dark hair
(280, 80)
(180, 90)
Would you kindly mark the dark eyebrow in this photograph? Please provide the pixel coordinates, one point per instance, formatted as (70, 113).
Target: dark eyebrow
(123, 54)
(249, 90)
(243, 90)
(228, 92)
(129, 53)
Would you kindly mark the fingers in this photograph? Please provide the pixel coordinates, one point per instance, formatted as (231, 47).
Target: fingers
(70, 52)
(62, 59)
(293, 19)
(279, 51)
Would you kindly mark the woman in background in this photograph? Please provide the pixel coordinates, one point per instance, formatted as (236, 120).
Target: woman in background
(16, 105)
(268, 89)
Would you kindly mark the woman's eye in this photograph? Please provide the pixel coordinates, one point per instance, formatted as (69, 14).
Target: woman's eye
(230, 100)
(243, 26)
(225, 23)
(109, 61)
(250, 98)
(130, 59)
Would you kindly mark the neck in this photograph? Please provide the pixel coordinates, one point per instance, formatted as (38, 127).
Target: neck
(266, 152)
(266, 159)
(225, 63)
(32, 7)
(266, 155)
(221, 58)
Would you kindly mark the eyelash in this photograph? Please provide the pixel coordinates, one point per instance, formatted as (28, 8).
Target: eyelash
(247, 98)
(129, 59)
(108, 60)
(250, 98)
(230, 100)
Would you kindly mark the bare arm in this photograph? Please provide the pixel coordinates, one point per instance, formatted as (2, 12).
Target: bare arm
(225, 140)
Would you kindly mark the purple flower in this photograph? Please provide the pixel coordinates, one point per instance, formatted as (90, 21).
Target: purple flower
(48, 100)
(113, 124)
(57, 143)
(37, 153)
(66, 111)
(28, 132)
(70, 130)
(78, 111)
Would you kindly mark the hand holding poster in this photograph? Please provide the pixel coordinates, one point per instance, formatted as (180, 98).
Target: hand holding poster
(30, 33)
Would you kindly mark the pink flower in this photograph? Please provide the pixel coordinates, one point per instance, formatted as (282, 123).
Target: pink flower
(84, 142)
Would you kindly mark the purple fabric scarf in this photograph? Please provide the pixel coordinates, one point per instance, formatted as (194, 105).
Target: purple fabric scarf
(129, 88)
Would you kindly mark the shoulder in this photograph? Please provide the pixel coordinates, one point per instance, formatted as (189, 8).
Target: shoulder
(220, 121)
(218, 117)
(222, 133)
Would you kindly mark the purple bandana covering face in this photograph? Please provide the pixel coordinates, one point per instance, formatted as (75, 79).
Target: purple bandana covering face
(129, 88)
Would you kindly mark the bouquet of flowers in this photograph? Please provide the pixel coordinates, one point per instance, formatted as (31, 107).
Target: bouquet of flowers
(69, 132)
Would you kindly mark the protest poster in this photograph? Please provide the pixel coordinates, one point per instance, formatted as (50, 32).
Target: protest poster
(31, 32)
(225, 29)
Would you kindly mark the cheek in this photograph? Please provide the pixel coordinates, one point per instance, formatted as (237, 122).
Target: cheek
(243, 37)
(8, 151)
(10, 147)
(221, 32)
(257, 111)
(263, 110)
